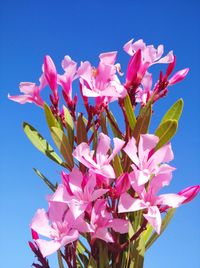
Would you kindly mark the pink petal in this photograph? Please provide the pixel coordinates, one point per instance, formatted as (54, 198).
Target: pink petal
(171, 200)
(109, 57)
(119, 225)
(107, 171)
(48, 247)
(131, 150)
(164, 154)
(69, 66)
(122, 184)
(82, 154)
(85, 72)
(98, 193)
(146, 144)
(57, 211)
(159, 181)
(72, 236)
(21, 98)
(154, 218)
(128, 47)
(75, 181)
(167, 59)
(89, 93)
(103, 145)
(40, 223)
(60, 195)
(129, 204)
(118, 144)
(27, 87)
(77, 207)
(102, 233)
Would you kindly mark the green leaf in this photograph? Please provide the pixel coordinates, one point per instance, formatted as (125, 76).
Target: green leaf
(143, 121)
(117, 166)
(129, 112)
(48, 183)
(138, 252)
(81, 130)
(113, 124)
(164, 225)
(60, 262)
(41, 144)
(63, 145)
(103, 124)
(165, 132)
(92, 263)
(51, 120)
(69, 125)
(174, 112)
(147, 233)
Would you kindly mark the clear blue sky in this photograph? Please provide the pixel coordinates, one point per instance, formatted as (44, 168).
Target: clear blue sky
(83, 29)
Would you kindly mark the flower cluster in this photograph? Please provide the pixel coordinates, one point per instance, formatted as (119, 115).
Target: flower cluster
(109, 187)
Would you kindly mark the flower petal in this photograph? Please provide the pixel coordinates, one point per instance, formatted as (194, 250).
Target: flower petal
(154, 218)
(129, 204)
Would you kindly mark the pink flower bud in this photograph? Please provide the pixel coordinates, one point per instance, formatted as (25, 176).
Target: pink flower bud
(136, 70)
(189, 193)
(122, 184)
(35, 235)
(50, 74)
(179, 76)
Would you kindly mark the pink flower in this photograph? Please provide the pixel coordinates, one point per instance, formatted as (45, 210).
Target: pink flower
(59, 225)
(101, 83)
(144, 92)
(146, 162)
(65, 80)
(99, 163)
(77, 191)
(102, 220)
(31, 92)
(150, 54)
(148, 200)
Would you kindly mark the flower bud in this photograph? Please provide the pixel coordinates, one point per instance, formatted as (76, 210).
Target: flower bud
(189, 193)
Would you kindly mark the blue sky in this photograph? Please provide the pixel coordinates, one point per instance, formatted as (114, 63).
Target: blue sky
(84, 29)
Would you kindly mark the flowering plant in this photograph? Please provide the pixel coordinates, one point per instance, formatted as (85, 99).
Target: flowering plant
(106, 210)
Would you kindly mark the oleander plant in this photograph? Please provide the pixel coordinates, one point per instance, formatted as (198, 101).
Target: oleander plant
(106, 209)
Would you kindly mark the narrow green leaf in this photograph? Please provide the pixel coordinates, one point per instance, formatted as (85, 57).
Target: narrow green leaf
(165, 132)
(174, 112)
(46, 181)
(62, 143)
(41, 144)
(103, 124)
(60, 262)
(165, 223)
(51, 120)
(147, 233)
(138, 253)
(92, 263)
(113, 124)
(129, 112)
(117, 166)
(143, 121)
(79, 262)
(69, 125)
(81, 130)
